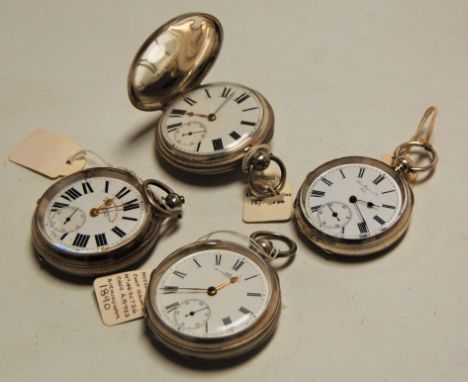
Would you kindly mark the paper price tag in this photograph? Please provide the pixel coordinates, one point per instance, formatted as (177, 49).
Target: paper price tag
(121, 297)
(273, 209)
(47, 153)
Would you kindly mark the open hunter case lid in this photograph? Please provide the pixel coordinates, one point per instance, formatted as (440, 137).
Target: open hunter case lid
(173, 60)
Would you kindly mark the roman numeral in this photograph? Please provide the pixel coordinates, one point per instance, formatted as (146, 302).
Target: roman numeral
(172, 307)
(362, 170)
(235, 135)
(326, 181)
(190, 101)
(170, 289)
(226, 92)
(86, 187)
(124, 191)
(129, 218)
(342, 174)
(248, 123)
(72, 193)
(131, 205)
(241, 98)
(196, 262)
(218, 144)
(177, 113)
(64, 236)
(386, 192)
(362, 227)
(218, 259)
(317, 194)
(106, 187)
(118, 231)
(227, 321)
(81, 240)
(244, 310)
(315, 208)
(254, 294)
(251, 277)
(238, 264)
(208, 95)
(378, 179)
(388, 206)
(180, 274)
(58, 205)
(173, 127)
(379, 220)
(100, 239)
(250, 108)
(198, 146)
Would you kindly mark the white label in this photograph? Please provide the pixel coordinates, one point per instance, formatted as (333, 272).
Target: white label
(47, 153)
(121, 296)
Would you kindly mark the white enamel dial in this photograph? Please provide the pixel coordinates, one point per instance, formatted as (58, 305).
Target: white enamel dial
(353, 201)
(94, 215)
(212, 119)
(212, 294)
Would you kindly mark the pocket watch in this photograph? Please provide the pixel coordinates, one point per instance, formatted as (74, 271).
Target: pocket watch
(204, 129)
(100, 220)
(358, 205)
(217, 299)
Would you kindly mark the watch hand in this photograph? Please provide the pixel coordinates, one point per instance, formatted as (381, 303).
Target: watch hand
(174, 289)
(224, 103)
(214, 290)
(354, 200)
(369, 204)
(193, 132)
(193, 312)
(334, 214)
(191, 114)
(69, 218)
(95, 211)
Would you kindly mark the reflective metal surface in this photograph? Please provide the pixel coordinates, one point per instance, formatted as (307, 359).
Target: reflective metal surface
(173, 60)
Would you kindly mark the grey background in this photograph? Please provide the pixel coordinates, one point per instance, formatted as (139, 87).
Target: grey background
(344, 78)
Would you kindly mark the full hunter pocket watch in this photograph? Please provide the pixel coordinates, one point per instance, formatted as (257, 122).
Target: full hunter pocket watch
(204, 129)
(100, 220)
(359, 205)
(217, 299)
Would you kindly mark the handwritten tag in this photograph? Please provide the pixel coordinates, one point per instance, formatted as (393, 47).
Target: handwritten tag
(47, 153)
(272, 209)
(121, 296)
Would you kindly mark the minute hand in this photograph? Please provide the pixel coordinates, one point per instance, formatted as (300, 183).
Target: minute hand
(224, 103)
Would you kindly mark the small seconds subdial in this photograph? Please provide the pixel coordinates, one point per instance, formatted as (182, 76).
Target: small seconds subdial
(190, 134)
(192, 314)
(334, 215)
(212, 294)
(94, 214)
(67, 219)
(353, 201)
(227, 114)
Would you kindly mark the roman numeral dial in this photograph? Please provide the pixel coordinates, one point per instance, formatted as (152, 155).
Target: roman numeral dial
(352, 201)
(212, 293)
(95, 214)
(212, 119)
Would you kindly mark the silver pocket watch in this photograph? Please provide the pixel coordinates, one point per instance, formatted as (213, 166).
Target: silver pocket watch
(100, 220)
(216, 299)
(358, 205)
(204, 129)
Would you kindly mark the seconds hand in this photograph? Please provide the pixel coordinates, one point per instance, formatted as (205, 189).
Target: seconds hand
(69, 218)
